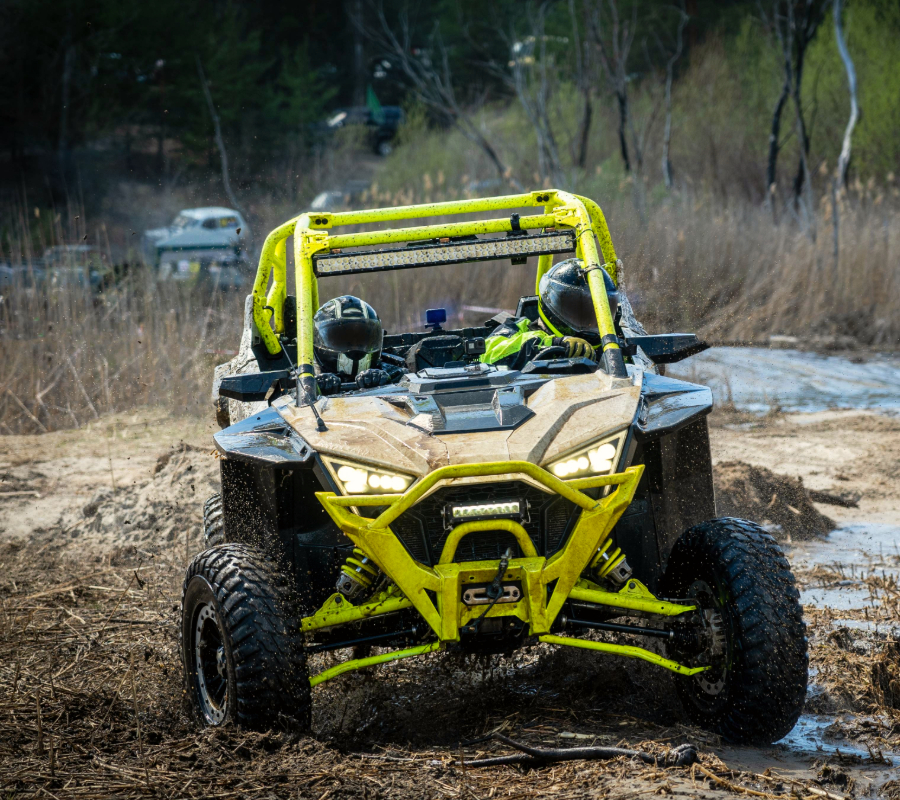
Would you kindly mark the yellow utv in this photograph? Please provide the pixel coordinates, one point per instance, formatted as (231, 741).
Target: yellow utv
(469, 506)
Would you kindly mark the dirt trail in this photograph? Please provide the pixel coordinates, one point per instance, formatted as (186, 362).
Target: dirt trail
(89, 584)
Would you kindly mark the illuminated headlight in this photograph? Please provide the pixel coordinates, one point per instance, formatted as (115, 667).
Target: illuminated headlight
(486, 510)
(598, 459)
(357, 479)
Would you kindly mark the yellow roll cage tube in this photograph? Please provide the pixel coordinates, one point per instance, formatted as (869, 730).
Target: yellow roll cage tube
(312, 235)
(435, 592)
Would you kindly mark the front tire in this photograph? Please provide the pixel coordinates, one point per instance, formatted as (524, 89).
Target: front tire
(242, 649)
(213, 521)
(755, 636)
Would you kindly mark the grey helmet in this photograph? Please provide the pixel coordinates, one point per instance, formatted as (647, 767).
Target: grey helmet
(347, 336)
(565, 303)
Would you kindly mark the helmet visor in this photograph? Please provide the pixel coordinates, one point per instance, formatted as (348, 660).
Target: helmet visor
(352, 337)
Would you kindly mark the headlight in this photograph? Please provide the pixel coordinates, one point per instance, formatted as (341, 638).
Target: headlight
(597, 459)
(358, 479)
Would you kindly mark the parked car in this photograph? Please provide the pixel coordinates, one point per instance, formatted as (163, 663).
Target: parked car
(346, 197)
(69, 265)
(198, 233)
(381, 124)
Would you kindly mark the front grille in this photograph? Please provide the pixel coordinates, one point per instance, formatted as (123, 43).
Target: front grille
(422, 531)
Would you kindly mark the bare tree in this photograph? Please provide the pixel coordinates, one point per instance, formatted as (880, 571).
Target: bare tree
(432, 83)
(614, 58)
(795, 23)
(583, 81)
(220, 142)
(844, 159)
(533, 68)
(670, 69)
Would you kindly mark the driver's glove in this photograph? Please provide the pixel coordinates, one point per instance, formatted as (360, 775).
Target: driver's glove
(329, 383)
(575, 347)
(370, 378)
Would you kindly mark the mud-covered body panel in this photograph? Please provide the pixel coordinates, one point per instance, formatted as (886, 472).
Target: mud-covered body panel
(272, 461)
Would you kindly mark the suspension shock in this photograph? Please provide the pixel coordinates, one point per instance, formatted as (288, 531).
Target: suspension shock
(610, 564)
(358, 574)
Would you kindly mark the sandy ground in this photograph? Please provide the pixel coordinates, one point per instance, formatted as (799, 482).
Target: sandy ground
(97, 524)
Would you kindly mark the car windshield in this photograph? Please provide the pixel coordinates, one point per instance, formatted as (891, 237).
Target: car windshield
(183, 221)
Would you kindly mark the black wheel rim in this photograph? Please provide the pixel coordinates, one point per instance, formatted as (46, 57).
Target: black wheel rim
(712, 682)
(210, 664)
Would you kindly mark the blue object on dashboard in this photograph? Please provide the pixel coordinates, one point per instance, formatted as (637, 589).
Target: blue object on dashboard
(435, 317)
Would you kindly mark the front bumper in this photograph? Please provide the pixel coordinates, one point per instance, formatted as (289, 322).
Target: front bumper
(435, 592)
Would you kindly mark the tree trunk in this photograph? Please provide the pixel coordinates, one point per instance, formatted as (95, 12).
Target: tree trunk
(359, 66)
(844, 159)
(667, 132)
(772, 163)
(584, 128)
(220, 142)
(670, 70)
(622, 100)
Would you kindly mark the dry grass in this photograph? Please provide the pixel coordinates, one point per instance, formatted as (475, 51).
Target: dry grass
(725, 271)
(69, 356)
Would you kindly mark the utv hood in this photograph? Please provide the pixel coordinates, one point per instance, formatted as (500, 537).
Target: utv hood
(427, 427)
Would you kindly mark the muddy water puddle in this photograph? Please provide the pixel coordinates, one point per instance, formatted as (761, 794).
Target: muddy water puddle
(756, 379)
(851, 552)
(822, 735)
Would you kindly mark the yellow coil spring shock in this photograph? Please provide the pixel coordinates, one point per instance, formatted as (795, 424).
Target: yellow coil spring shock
(358, 574)
(610, 564)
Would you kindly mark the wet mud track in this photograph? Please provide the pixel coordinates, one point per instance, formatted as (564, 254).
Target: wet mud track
(90, 692)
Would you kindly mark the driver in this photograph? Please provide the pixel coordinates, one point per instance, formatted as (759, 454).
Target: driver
(566, 319)
(347, 338)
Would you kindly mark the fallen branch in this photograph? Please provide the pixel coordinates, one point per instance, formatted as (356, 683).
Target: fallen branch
(734, 787)
(28, 413)
(851, 501)
(682, 756)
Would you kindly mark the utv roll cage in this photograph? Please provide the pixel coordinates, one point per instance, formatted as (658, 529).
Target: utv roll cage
(569, 223)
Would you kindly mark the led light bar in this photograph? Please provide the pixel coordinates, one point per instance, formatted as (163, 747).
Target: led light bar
(444, 252)
(485, 510)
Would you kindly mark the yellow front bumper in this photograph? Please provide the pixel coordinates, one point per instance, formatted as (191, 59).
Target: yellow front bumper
(435, 592)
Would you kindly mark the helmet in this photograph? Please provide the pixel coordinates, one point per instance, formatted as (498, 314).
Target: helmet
(347, 336)
(565, 303)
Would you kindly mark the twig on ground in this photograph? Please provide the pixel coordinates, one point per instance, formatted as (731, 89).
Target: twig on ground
(682, 756)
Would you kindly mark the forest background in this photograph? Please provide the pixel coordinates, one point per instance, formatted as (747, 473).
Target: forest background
(746, 155)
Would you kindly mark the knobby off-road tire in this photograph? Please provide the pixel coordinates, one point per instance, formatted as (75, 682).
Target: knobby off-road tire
(213, 521)
(241, 645)
(756, 689)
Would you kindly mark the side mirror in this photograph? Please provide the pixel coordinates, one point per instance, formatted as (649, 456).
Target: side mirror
(255, 386)
(665, 348)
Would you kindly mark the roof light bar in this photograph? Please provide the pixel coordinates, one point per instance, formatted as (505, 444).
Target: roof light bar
(444, 252)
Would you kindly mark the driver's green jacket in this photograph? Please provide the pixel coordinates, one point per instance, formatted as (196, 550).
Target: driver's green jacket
(514, 343)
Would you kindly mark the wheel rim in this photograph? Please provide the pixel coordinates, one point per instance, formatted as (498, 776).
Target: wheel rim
(712, 681)
(211, 667)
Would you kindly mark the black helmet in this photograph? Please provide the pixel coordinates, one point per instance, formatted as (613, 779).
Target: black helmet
(347, 336)
(565, 303)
